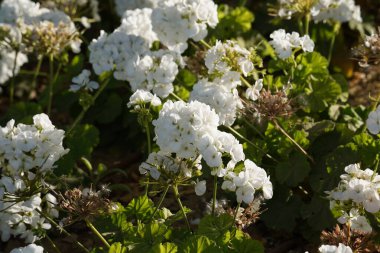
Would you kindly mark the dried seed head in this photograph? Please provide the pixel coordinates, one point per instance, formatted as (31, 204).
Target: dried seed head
(270, 106)
(359, 242)
(369, 51)
(247, 216)
(86, 203)
(195, 63)
(73, 8)
(46, 38)
(296, 7)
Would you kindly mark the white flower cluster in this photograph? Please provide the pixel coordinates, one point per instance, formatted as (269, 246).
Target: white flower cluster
(7, 61)
(358, 191)
(176, 21)
(27, 153)
(324, 10)
(30, 147)
(124, 5)
(83, 81)
(373, 121)
(221, 94)
(31, 248)
(130, 58)
(160, 163)
(115, 51)
(139, 22)
(334, 249)
(142, 97)
(248, 181)
(191, 129)
(20, 215)
(284, 43)
(24, 15)
(224, 57)
(336, 10)
(153, 71)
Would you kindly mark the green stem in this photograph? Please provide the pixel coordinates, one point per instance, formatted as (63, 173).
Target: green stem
(214, 195)
(254, 128)
(246, 83)
(51, 71)
(178, 198)
(32, 73)
(160, 201)
(204, 43)
(85, 109)
(332, 42)
(176, 97)
(61, 229)
(53, 244)
(236, 212)
(148, 138)
(96, 232)
(376, 168)
(307, 23)
(37, 72)
(251, 143)
(278, 126)
(12, 86)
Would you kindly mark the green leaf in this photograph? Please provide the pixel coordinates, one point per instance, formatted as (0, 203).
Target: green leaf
(108, 110)
(165, 248)
(114, 222)
(279, 143)
(145, 237)
(117, 248)
(247, 245)
(140, 208)
(22, 112)
(197, 244)
(185, 77)
(367, 148)
(215, 228)
(81, 142)
(311, 66)
(318, 214)
(320, 94)
(232, 22)
(319, 128)
(293, 171)
(283, 210)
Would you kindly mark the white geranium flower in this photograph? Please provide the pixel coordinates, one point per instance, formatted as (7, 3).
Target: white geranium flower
(253, 92)
(284, 43)
(334, 249)
(31, 248)
(373, 121)
(200, 187)
(249, 180)
(83, 81)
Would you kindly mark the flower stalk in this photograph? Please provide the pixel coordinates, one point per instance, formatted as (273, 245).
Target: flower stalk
(97, 233)
(178, 198)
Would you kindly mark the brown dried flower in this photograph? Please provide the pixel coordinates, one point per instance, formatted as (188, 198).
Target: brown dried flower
(270, 106)
(369, 51)
(195, 63)
(86, 203)
(359, 242)
(247, 216)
